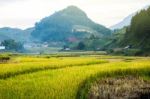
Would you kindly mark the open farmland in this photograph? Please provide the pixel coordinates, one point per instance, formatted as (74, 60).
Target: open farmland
(61, 76)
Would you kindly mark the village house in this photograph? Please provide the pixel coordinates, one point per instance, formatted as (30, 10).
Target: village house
(2, 47)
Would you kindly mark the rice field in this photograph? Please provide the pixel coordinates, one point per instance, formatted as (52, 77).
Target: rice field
(51, 77)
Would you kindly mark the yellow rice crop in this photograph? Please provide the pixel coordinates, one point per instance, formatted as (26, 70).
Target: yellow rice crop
(59, 83)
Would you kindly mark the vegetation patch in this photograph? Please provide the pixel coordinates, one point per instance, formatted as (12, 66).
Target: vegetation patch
(120, 88)
(85, 87)
(4, 59)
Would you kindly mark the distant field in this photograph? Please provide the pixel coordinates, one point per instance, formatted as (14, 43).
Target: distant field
(38, 50)
(63, 76)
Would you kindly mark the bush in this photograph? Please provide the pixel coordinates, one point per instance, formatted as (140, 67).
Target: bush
(4, 58)
(126, 52)
(132, 52)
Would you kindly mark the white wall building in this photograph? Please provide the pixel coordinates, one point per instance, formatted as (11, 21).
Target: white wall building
(2, 47)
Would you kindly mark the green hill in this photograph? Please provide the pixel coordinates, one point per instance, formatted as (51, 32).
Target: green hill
(16, 34)
(70, 22)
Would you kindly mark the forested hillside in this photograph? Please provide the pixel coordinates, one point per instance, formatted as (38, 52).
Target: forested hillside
(68, 23)
(136, 36)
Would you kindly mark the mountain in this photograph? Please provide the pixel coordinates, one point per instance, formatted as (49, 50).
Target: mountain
(126, 21)
(70, 22)
(15, 33)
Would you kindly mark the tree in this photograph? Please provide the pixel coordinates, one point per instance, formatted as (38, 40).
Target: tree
(81, 46)
(12, 45)
(138, 34)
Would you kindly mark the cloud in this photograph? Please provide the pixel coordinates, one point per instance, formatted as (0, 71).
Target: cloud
(7, 2)
(24, 13)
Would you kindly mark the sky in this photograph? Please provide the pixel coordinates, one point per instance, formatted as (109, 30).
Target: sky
(25, 13)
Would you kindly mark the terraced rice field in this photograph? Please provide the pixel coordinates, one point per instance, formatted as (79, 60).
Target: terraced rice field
(40, 77)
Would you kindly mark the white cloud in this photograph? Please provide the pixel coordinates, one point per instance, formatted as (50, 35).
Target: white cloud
(24, 13)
